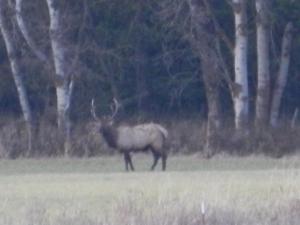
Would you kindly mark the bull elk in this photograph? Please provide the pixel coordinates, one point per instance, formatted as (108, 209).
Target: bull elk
(142, 137)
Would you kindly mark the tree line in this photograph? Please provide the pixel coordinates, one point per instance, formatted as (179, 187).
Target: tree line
(233, 60)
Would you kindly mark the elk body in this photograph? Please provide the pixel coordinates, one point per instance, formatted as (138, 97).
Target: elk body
(127, 139)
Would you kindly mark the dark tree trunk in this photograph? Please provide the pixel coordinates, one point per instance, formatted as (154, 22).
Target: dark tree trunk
(204, 42)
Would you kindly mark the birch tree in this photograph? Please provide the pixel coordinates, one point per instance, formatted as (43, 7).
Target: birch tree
(13, 53)
(282, 73)
(239, 85)
(63, 79)
(62, 82)
(263, 63)
(65, 56)
(241, 93)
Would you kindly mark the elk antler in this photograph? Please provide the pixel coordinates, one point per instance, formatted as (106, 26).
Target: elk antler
(114, 107)
(93, 110)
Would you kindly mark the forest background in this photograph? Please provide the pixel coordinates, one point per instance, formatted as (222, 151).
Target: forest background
(220, 75)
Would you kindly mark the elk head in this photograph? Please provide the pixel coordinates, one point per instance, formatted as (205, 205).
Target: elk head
(105, 121)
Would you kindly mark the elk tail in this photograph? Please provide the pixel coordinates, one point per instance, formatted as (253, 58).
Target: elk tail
(163, 131)
(165, 135)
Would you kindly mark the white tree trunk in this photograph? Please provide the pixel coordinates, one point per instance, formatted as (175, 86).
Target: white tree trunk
(64, 84)
(240, 89)
(263, 63)
(12, 53)
(282, 73)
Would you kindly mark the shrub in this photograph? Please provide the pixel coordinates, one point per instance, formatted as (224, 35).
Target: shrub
(186, 136)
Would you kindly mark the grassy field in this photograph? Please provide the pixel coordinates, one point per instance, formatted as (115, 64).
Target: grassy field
(250, 190)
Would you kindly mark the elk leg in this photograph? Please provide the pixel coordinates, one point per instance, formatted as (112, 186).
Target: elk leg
(156, 158)
(130, 162)
(126, 160)
(164, 161)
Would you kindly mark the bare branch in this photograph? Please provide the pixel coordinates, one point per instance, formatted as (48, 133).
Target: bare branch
(221, 33)
(80, 37)
(23, 28)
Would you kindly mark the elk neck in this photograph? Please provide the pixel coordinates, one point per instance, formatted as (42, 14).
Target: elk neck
(110, 134)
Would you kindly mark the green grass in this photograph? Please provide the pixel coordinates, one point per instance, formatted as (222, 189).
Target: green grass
(97, 190)
(142, 163)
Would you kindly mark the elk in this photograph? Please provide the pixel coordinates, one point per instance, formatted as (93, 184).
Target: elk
(127, 139)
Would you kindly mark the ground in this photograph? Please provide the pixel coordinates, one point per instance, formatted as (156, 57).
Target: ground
(249, 190)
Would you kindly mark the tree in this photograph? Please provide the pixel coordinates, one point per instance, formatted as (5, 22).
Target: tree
(240, 92)
(26, 34)
(282, 73)
(62, 65)
(6, 23)
(204, 42)
(63, 79)
(263, 63)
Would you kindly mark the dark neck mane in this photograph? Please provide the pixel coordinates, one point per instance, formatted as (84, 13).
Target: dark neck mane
(110, 135)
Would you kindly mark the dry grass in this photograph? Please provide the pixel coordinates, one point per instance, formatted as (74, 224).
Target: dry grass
(187, 136)
(251, 190)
